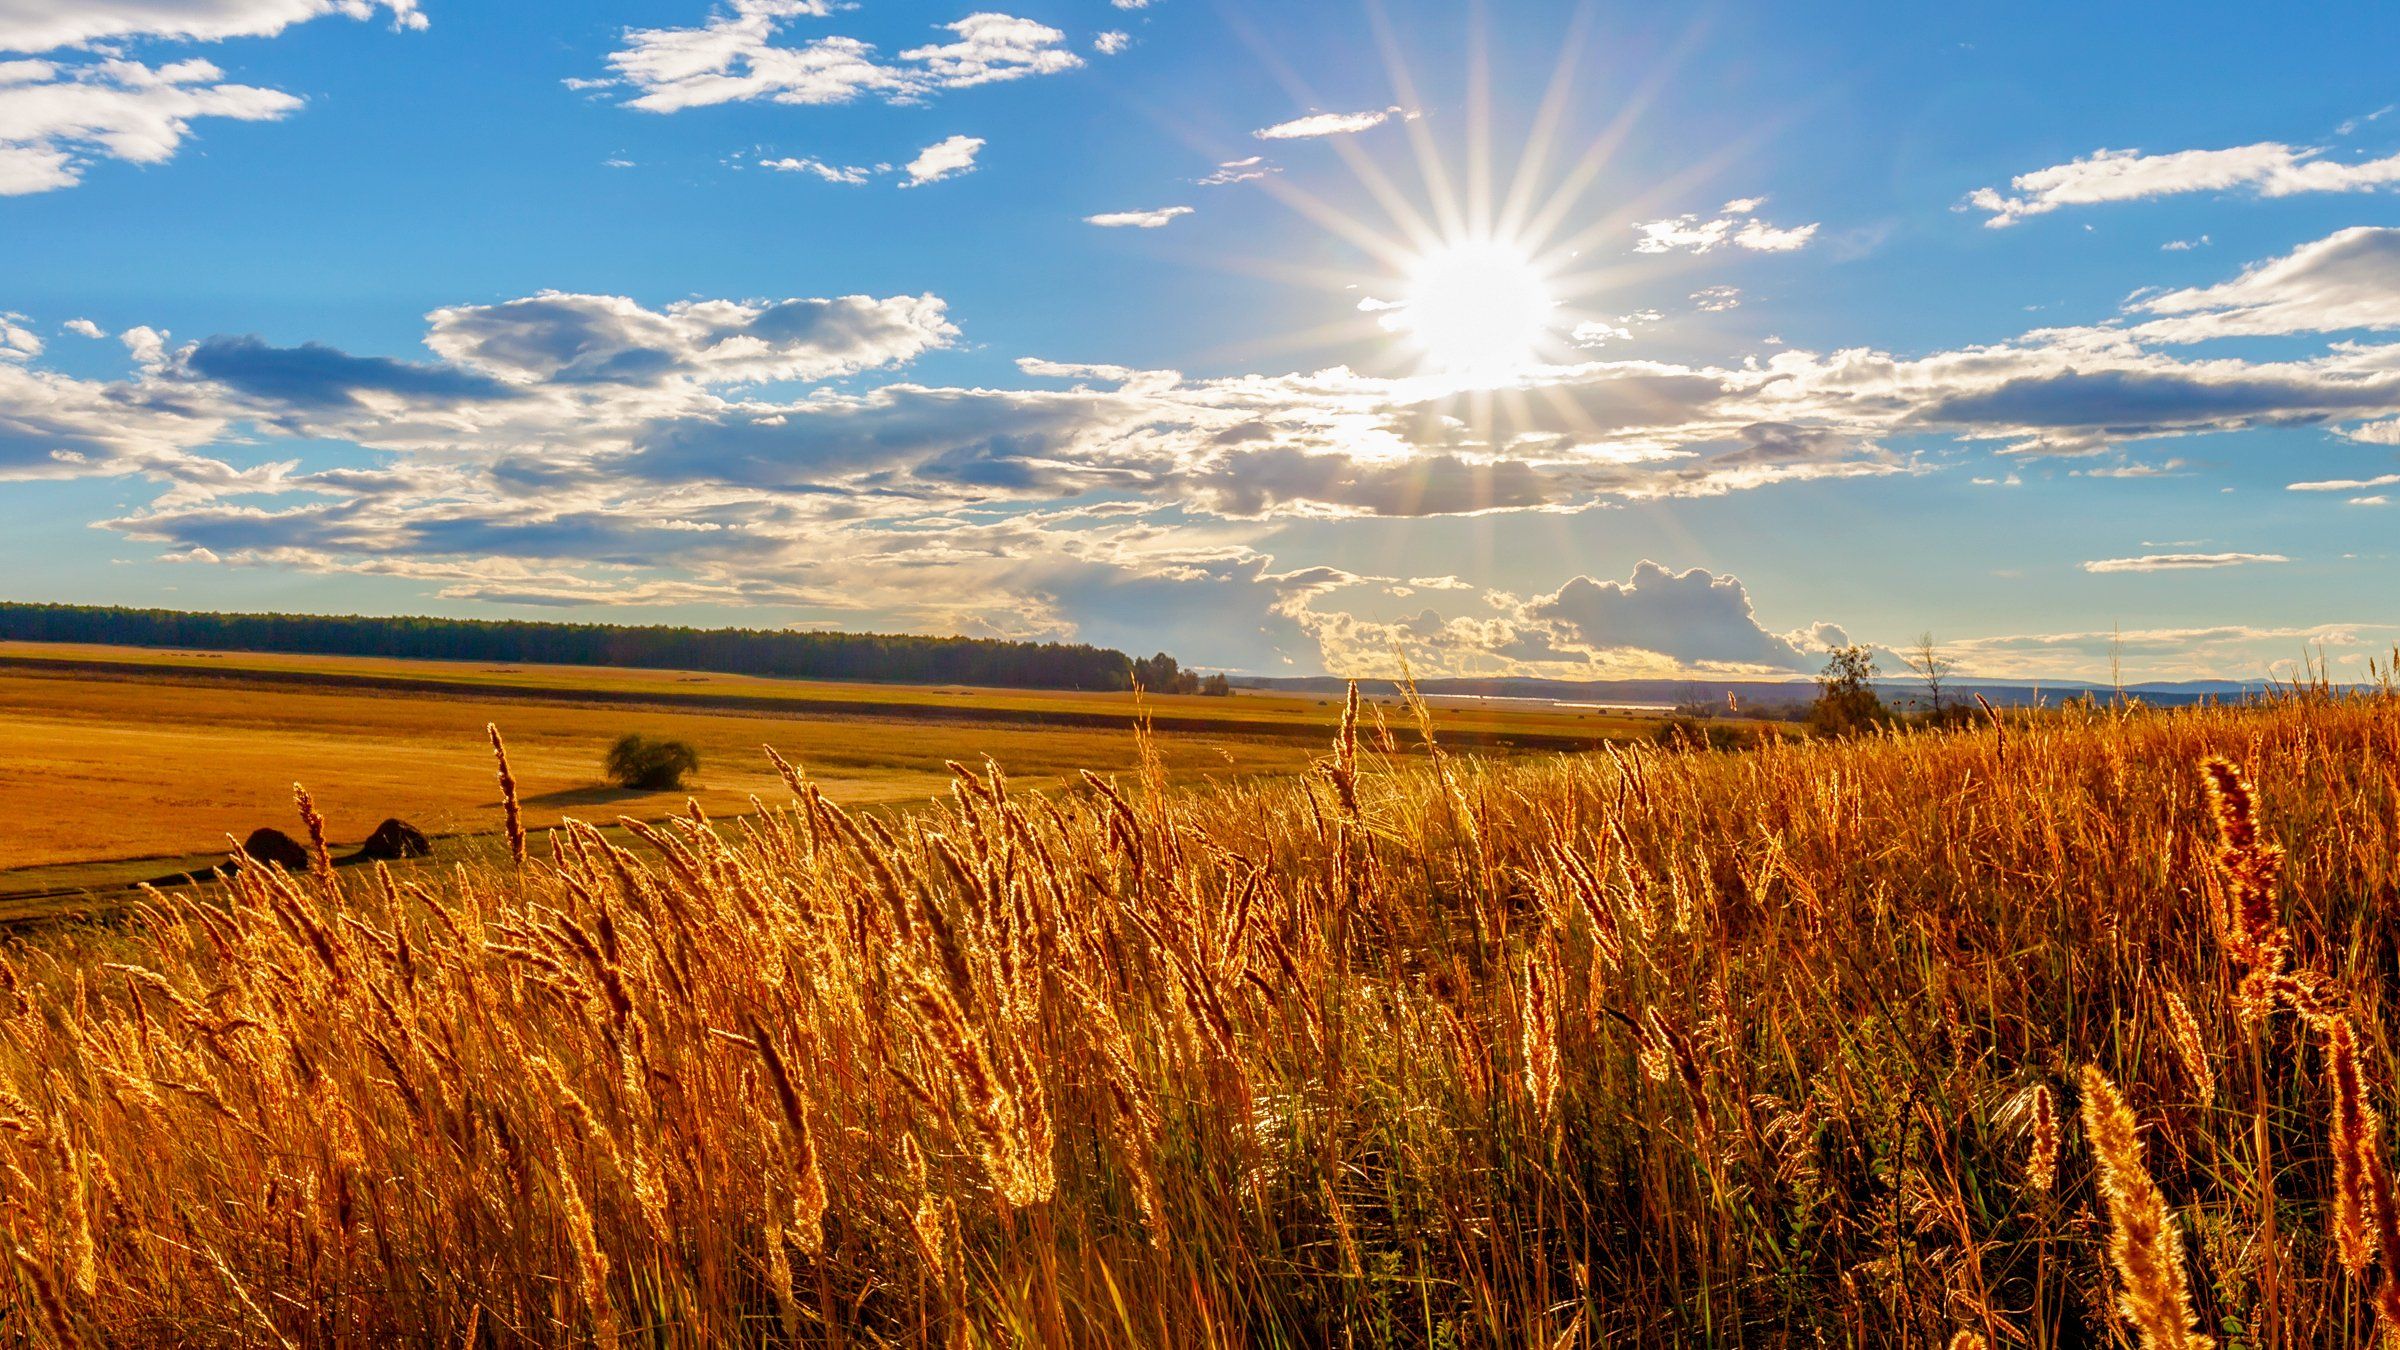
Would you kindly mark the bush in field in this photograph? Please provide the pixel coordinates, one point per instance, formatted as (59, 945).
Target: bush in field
(1846, 697)
(636, 761)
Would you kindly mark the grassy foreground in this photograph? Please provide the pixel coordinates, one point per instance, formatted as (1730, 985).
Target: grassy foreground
(1876, 1043)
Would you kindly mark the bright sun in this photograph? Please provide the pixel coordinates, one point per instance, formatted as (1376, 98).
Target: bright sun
(1477, 308)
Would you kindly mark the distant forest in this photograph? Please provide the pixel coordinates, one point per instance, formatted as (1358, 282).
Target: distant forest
(734, 651)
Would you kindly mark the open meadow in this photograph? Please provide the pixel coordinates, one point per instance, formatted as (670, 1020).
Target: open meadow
(2072, 1029)
(126, 764)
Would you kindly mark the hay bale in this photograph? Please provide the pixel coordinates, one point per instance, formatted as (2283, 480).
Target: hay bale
(396, 838)
(270, 845)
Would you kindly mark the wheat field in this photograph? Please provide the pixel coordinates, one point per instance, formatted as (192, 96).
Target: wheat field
(2071, 1029)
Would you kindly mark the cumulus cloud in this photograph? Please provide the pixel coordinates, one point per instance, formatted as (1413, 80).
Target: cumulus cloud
(1694, 618)
(2349, 279)
(56, 119)
(314, 377)
(1112, 42)
(1735, 226)
(945, 158)
(735, 56)
(2181, 562)
(558, 337)
(1329, 124)
(1139, 220)
(597, 449)
(2270, 168)
(43, 25)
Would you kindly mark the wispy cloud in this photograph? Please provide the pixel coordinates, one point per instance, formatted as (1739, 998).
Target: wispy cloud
(1330, 124)
(2270, 168)
(1243, 170)
(2346, 484)
(2181, 562)
(849, 174)
(1139, 220)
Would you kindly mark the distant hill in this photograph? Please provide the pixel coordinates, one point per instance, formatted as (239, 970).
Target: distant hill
(893, 658)
(1761, 693)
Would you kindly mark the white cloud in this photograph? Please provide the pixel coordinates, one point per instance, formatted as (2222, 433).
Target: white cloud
(1734, 227)
(85, 328)
(1237, 171)
(2345, 484)
(1327, 124)
(2377, 499)
(55, 119)
(2351, 124)
(2181, 562)
(852, 174)
(945, 158)
(2184, 245)
(1694, 618)
(1140, 220)
(18, 341)
(1112, 42)
(1717, 299)
(2270, 168)
(42, 25)
(734, 57)
(559, 337)
(582, 449)
(1131, 4)
(2348, 279)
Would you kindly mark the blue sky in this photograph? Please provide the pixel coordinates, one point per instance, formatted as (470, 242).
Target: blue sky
(1515, 338)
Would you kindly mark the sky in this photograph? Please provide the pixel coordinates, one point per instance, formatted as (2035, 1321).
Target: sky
(1571, 340)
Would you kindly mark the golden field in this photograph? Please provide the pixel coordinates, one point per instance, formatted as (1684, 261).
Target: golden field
(2056, 1032)
(142, 760)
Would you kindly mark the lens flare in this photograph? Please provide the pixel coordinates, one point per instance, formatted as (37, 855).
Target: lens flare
(1479, 308)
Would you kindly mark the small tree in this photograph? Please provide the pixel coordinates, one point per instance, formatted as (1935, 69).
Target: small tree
(1931, 666)
(1846, 697)
(636, 761)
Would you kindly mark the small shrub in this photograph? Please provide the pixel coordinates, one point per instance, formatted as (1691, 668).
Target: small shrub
(636, 761)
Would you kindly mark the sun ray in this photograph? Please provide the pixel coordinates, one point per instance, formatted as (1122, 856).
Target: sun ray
(1525, 179)
(1436, 175)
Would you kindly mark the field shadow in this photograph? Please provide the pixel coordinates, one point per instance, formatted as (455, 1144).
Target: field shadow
(586, 796)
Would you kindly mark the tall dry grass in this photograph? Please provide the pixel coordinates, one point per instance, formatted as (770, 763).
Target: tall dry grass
(1964, 1039)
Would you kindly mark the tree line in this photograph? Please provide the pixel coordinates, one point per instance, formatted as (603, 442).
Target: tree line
(883, 657)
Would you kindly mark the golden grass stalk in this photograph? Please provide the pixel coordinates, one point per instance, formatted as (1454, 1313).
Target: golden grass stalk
(2190, 1049)
(2144, 1243)
(2041, 1161)
(2354, 1149)
(508, 797)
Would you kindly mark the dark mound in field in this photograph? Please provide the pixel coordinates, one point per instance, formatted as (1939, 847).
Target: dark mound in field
(396, 838)
(274, 846)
